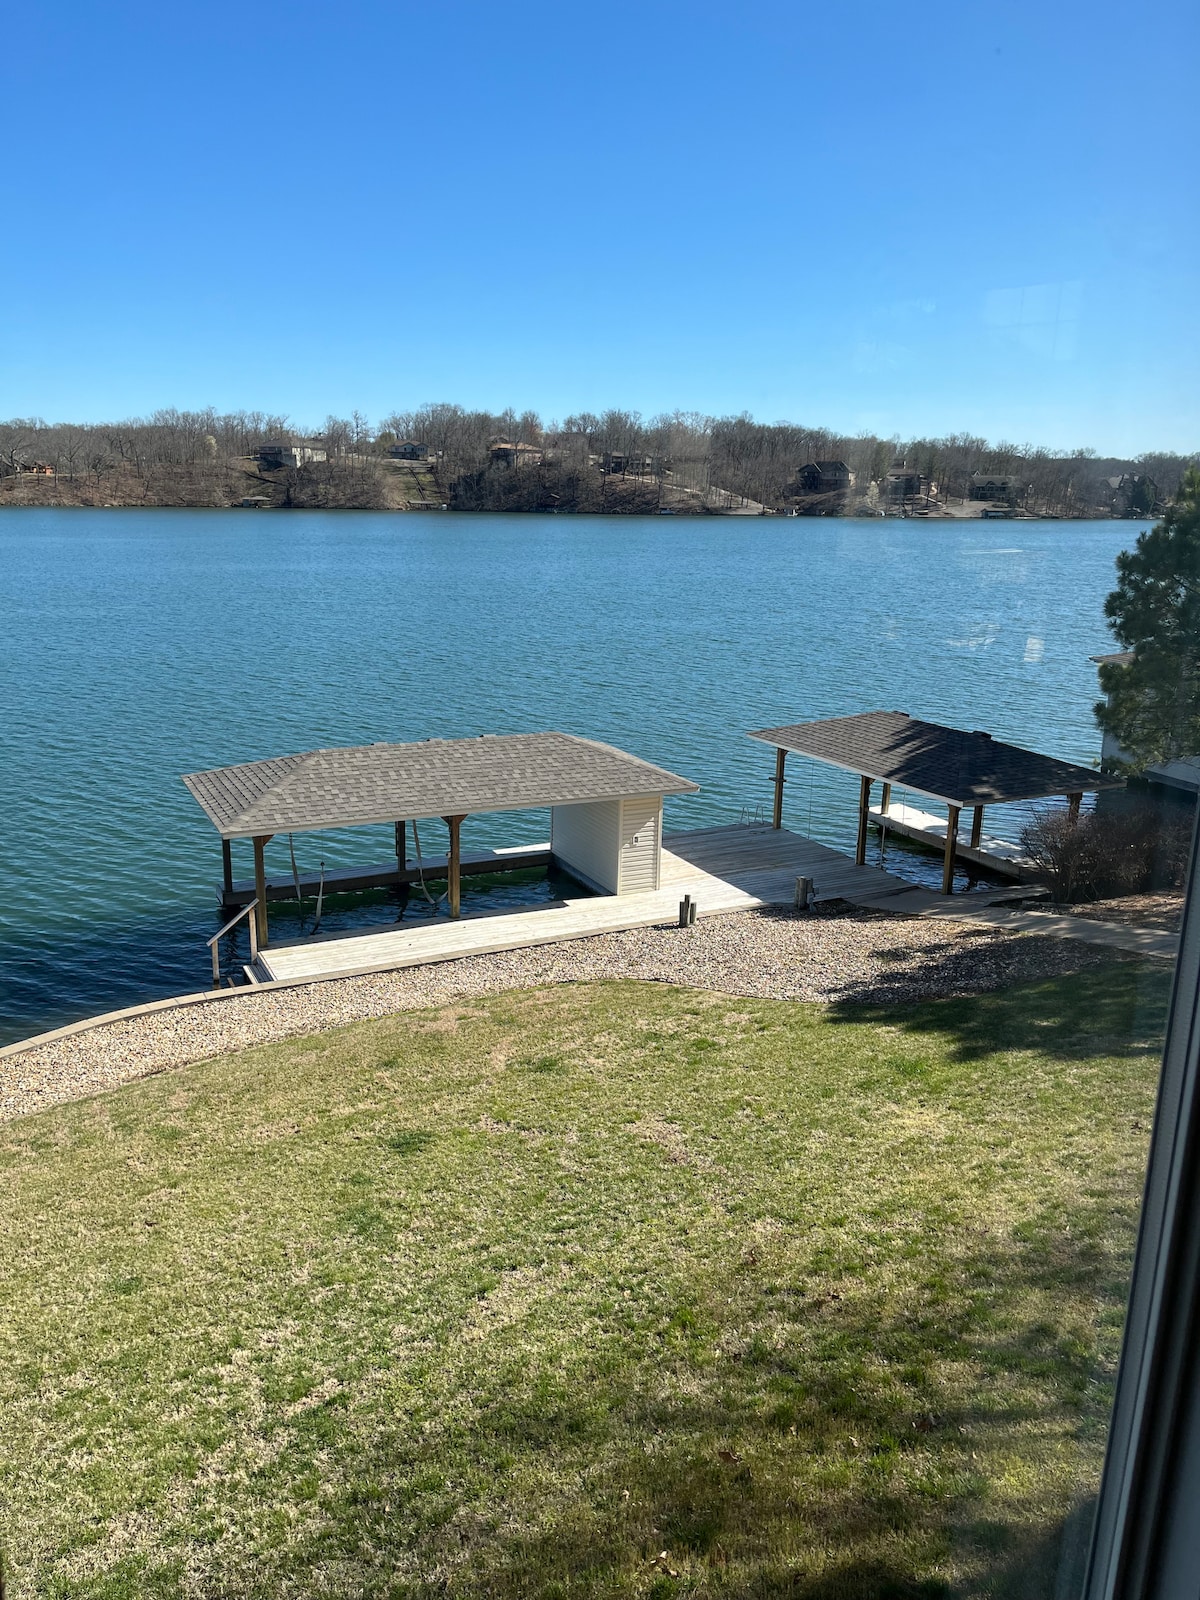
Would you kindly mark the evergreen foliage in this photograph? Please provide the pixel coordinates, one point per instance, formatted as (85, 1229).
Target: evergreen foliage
(1153, 703)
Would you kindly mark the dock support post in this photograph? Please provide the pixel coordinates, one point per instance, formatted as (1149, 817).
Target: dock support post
(1074, 801)
(976, 827)
(777, 814)
(887, 798)
(227, 865)
(951, 846)
(402, 846)
(864, 805)
(260, 889)
(453, 869)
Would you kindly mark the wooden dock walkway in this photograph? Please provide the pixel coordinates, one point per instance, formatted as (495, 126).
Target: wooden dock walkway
(724, 870)
(999, 856)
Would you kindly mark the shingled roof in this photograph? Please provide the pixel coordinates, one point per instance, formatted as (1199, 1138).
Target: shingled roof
(357, 784)
(947, 764)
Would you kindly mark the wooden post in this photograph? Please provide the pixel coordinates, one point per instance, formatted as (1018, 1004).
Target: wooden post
(402, 845)
(1074, 801)
(951, 846)
(260, 889)
(976, 827)
(887, 798)
(864, 805)
(777, 815)
(227, 865)
(454, 866)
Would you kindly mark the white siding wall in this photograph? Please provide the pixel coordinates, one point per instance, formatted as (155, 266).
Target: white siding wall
(641, 829)
(614, 844)
(587, 837)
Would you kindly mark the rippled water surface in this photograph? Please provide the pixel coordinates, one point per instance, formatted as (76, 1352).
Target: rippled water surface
(138, 645)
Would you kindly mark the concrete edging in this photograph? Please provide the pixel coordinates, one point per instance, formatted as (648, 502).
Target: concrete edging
(171, 1003)
(207, 996)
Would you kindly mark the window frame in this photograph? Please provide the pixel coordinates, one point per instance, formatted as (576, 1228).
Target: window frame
(1146, 1534)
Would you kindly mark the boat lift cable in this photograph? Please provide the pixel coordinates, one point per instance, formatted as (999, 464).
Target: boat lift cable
(320, 900)
(421, 871)
(296, 881)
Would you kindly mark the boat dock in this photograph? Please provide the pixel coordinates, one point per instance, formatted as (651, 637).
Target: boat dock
(725, 869)
(388, 875)
(606, 814)
(992, 854)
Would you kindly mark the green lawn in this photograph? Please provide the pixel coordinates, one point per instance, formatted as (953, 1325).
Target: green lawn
(610, 1290)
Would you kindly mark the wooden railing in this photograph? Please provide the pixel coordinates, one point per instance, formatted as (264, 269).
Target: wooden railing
(246, 911)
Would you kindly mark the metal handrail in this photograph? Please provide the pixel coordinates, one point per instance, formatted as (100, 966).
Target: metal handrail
(217, 937)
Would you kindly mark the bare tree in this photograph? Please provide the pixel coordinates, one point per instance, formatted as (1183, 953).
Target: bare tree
(337, 435)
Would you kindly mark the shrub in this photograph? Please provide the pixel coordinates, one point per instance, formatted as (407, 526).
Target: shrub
(1109, 852)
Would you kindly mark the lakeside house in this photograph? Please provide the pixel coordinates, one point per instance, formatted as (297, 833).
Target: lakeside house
(825, 477)
(1132, 494)
(290, 453)
(994, 486)
(409, 450)
(902, 482)
(1182, 774)
(516, 455)
(627, 465)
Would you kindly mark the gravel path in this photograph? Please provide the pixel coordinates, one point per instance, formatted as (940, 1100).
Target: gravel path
(835, 955)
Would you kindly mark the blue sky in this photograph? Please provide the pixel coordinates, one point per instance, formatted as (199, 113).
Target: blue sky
(914, 220)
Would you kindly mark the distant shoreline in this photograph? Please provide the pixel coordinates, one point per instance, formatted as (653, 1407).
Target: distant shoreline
(445, 458)
(941, 518)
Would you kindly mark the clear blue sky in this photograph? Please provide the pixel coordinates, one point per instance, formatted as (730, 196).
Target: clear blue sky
(915, 219)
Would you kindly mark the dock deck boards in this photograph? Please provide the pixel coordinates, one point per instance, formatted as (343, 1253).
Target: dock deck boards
(994, 854)
(724, 870)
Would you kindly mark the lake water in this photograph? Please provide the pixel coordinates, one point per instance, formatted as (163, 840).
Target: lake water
(139, 645)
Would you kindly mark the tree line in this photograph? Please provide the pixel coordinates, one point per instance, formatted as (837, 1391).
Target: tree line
(174, 455)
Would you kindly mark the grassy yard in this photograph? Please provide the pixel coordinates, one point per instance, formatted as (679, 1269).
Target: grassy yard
(612, 1290)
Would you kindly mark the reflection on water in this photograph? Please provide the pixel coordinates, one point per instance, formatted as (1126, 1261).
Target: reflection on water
(134, 650)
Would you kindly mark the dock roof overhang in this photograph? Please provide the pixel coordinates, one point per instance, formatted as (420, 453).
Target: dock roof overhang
(358, 784)
(947, 764)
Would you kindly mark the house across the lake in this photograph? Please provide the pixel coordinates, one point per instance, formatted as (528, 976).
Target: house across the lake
(290, 453)
(516, 455)
(1132, 494)
(825, 477)
(902, 482)
(639, 466)
(994, 486)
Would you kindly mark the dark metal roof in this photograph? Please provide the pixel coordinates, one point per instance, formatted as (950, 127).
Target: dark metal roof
(357, 784)
(961, 769)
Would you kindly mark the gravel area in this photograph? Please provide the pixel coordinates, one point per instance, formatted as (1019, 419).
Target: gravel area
(836, 955)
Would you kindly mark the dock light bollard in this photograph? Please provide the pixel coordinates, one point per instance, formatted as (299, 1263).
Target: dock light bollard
(687, 911)
(805, 889)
